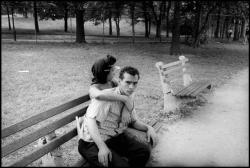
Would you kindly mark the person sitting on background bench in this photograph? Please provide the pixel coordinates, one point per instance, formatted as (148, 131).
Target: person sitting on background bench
(102, 140)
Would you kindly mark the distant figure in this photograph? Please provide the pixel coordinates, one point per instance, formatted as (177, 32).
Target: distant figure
(229, 34)
(246, 36)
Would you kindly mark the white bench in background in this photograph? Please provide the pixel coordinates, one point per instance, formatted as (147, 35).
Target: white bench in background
(190, 89)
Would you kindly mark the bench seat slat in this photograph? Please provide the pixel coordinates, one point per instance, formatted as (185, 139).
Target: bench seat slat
(206, 85)
(157, 126)
(152, 123)
(19, 143)
(45, 149)
(185, 89)
(193, 89)
(42, 116)
(199, 84)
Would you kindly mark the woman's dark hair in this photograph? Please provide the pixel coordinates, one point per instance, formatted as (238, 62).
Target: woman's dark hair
(101, 69)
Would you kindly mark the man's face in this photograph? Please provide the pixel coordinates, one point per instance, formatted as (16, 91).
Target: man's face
(128, 84)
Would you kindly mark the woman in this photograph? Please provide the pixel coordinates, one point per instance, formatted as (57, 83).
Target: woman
(103, 71)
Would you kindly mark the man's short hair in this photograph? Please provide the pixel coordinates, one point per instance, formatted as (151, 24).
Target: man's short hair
(130, 70)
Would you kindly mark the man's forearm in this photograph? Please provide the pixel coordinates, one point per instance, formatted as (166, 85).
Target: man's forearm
(94, 132)
(112, 96)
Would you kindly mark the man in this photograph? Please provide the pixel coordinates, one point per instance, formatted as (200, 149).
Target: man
(102, 141)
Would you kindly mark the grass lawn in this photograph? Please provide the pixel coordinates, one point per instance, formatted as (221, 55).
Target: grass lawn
(37, 77)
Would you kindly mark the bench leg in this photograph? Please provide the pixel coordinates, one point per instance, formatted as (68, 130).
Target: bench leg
(171, 103)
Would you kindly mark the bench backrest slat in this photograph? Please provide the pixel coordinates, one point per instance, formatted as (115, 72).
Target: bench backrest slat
(19, 143)
(176, 63)
(26, 160)
(42, 116)
(173, 69)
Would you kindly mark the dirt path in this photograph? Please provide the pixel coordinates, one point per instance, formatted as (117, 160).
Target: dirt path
(216, 134)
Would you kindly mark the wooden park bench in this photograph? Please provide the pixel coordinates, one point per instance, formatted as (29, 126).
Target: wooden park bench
(189, 88)
(33, 136)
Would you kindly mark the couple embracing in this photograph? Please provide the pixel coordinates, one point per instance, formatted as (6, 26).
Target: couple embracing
(102, 141)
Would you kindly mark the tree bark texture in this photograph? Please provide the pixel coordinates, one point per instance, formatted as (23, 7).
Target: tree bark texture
(110, 22)
(13, 24)
(35, 17)
(236, 30)
(216, 33)
(132, 9)
(65, 18)
(167, 18)
(175, 44)
(146, 21)
(80, 36)
(8, 13)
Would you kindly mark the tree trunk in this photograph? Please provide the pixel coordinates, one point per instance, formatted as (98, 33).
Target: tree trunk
(197, 20)
(225, 26)
(236, 30)
(175, 44)
(221, 29)
(203, 29)
(8, 16)
(149, 25)
(80, 36)
(158, 28)
(167, 18)
(158, 18)
(13, 24)
(117, 23)
(25, 12)
(216, 33)
(146, 19)
(35, 17)
(146, 26)
(132, 9)
(243, 29)
(110, 23)
(65, 18)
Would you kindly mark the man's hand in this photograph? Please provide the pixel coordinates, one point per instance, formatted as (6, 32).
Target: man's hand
(151, 135)
(79, 127)
(126, 119)
(104, 155)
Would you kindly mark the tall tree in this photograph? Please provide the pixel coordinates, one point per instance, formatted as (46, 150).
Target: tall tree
(175, 44)
(13, 22)
(65, 7)
(236, 29)
(80, 8)
(54, 10)
(118, 9)
(110, 21)
(203, 8)
(146, 17)
(167, 18)
(226, 20)
(216, 33)
(35, 16)
(132, 15)
(6, 4)
(158, 10)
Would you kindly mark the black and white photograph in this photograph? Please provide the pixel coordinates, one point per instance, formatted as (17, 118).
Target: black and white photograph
(125, 83)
